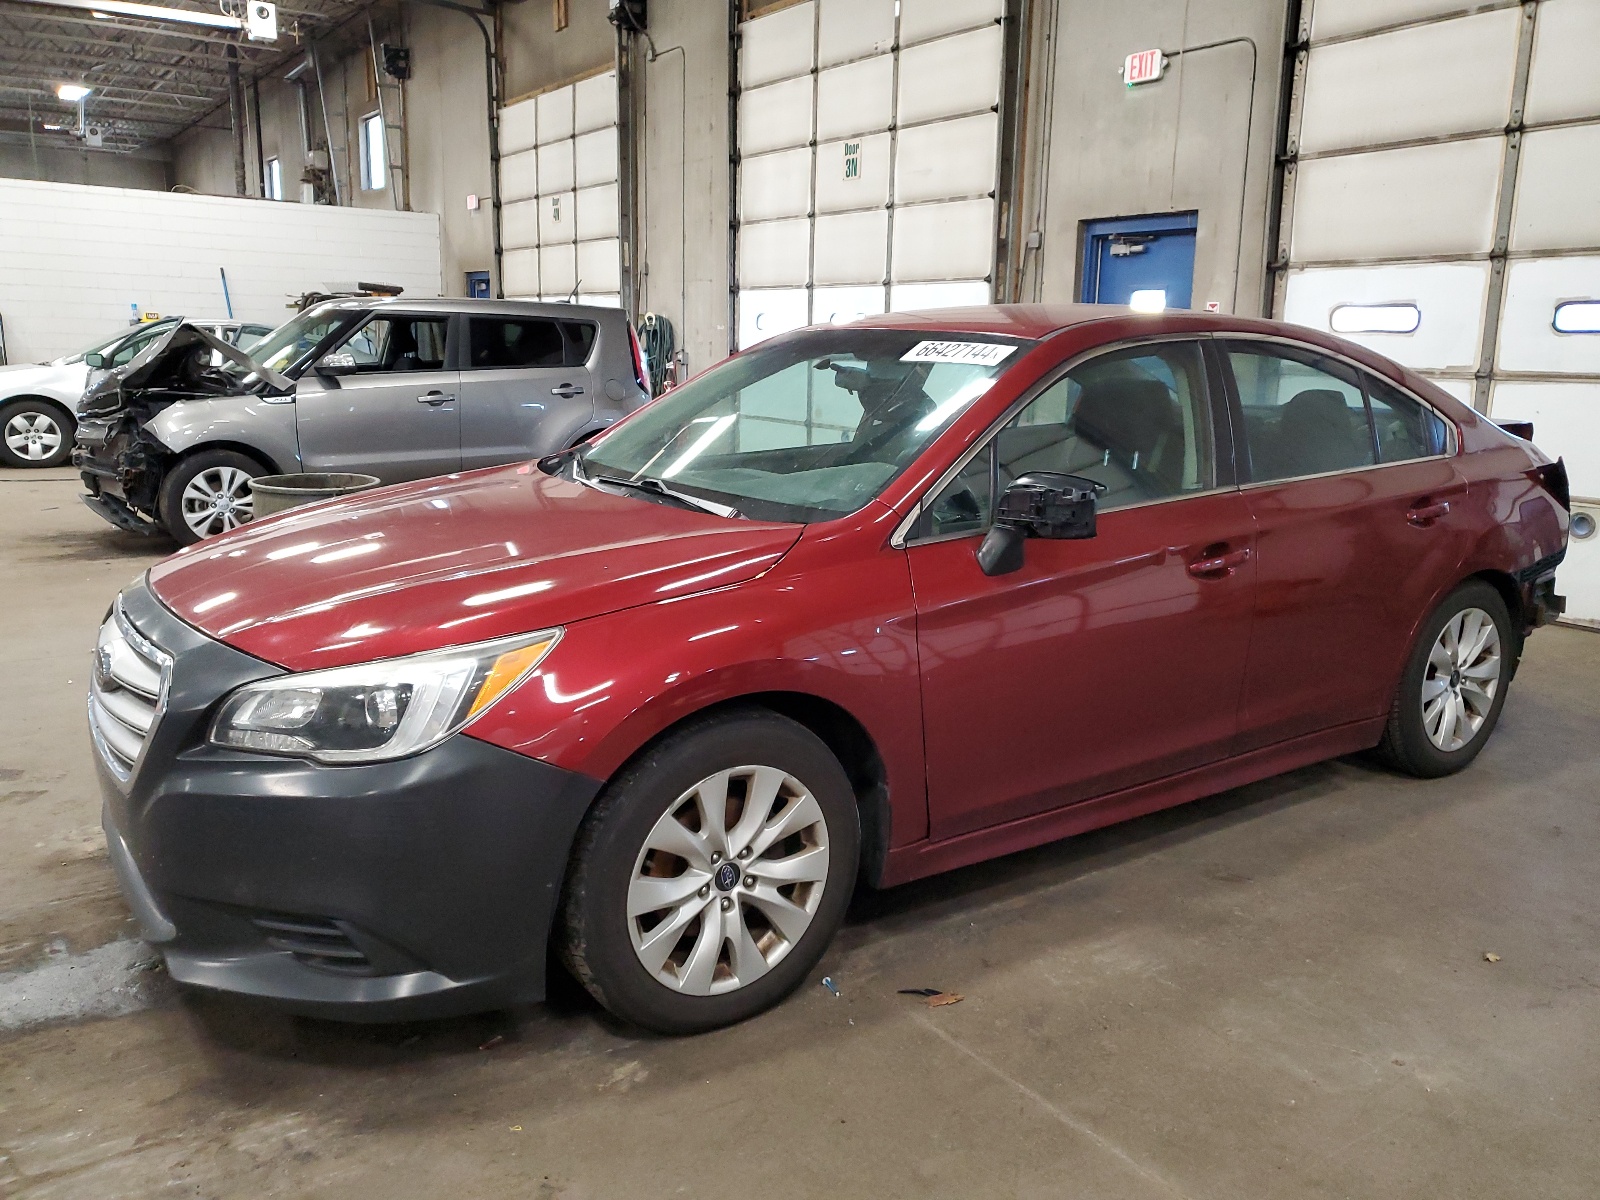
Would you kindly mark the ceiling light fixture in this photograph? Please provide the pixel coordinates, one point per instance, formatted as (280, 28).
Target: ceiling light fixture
(263, 28)
(73, 92)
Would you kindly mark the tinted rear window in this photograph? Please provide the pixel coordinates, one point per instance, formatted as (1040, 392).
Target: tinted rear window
(511, 343)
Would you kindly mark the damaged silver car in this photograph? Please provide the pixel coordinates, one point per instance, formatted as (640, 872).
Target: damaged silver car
(393, 388)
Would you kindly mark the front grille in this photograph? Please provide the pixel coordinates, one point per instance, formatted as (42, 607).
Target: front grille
(127, 692)
(316, 942)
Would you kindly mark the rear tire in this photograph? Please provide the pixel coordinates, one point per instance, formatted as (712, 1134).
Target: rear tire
(35, 433)
(765, 823)
(1454, 686)
(208, 493)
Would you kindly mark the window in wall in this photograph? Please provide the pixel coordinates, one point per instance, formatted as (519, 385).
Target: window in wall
(374, 161)
(273, 183)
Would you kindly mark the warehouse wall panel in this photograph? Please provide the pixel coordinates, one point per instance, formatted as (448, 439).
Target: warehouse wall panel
(71, 272)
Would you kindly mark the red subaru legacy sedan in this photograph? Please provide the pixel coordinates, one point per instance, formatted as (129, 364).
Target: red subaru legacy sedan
(863, 603)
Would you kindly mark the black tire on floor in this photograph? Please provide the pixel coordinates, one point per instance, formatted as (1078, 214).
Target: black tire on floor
(27, 417)
(183, 473)
(593, 931)
(1406, 745)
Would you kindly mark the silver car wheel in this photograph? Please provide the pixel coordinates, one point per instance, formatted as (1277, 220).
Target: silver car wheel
(216, 500)
(728, 880)
(34, 436)
(1462, 679)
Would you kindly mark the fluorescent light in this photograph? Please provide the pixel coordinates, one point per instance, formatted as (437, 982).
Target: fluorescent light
(1149, 300)
(73, 92)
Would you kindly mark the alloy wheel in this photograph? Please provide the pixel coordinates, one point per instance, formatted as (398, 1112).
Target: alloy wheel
(216, 500)
(33, 436)
(728, 880)
(1461, 680)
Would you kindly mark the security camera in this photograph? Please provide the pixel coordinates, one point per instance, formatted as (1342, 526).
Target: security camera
(261, 21)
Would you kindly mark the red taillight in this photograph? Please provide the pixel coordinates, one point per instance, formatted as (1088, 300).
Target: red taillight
(1552, 477)
(641, 369)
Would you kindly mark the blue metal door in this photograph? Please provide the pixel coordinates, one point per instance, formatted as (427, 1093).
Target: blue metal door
(1153, 256)
(477, 285)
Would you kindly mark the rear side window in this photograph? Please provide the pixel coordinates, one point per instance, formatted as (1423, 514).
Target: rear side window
(512, 343)
(1404, 428)
(1308, 415)
(579, 337)
(1133, 421)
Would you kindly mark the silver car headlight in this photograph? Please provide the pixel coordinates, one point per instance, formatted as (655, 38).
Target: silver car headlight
(376, 711)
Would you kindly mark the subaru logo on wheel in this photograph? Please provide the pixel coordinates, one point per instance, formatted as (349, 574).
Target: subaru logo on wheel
(727, 877)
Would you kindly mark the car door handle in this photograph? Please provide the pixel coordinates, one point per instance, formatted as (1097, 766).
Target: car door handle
(1219, 566)
(434, 398)
(566, 390)
(1426, 514)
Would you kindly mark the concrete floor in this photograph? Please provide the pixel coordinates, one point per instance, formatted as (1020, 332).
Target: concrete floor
(1281, 991)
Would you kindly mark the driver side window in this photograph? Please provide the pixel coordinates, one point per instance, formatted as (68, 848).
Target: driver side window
(397, 344)
(1133, 421)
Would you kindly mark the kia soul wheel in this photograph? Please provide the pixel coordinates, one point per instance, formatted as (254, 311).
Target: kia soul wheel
(1454, 685)
(712, 874)
(207, 494)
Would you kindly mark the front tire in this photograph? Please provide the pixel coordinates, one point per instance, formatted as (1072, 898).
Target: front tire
(711, 874)
(1454, 686)
(35, 433)
(208, 493)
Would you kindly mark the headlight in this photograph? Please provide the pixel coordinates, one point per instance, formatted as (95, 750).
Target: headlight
(379, 710)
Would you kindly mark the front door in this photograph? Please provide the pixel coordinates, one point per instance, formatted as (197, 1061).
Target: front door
(525, 387)
(394, 412)
(1101, 664)
(1359, 524)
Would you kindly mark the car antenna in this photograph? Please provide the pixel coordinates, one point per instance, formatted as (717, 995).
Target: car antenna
(572, 296)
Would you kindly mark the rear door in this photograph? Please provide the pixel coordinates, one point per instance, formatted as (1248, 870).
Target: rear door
(1359, 521)
(1101, 664)
(395, 414)
(526, 388)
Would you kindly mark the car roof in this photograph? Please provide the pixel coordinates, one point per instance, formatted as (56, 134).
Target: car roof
(1036, 321)
(508, 308)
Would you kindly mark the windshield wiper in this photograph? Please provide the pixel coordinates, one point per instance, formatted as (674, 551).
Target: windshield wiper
(655, 487)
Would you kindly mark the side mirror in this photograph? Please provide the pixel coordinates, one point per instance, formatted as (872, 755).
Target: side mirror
(336, 363)
(1043, 504)
(95, 360)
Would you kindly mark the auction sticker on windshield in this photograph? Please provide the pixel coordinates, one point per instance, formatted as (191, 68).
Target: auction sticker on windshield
(982, 354)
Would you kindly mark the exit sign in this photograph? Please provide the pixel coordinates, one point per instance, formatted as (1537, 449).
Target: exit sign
(1146, 66)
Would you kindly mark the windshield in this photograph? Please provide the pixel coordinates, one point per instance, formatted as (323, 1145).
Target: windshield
(137, 336)
(807, 428)
(296, 338)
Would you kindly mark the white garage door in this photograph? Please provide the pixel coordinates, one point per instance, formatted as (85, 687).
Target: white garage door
(1445, 211)
(868, 141)
(558, 194)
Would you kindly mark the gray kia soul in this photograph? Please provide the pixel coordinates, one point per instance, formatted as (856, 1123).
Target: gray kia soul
(394, 388)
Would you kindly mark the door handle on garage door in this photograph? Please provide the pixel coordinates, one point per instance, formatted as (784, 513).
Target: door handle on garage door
(1219, 565)
(434, 398)
(1427, 514)
(566, 390)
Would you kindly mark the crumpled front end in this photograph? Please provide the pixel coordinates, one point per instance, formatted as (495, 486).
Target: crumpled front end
(121, 462)
(121, 469)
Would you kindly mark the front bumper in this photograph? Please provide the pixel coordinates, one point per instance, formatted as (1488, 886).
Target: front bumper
(411, 889)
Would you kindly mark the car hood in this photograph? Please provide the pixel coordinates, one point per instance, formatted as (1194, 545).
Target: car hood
(165, 367)
(21, 375)
(449, 561)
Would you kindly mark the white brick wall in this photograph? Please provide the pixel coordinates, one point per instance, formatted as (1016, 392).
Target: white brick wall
(73, 259)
